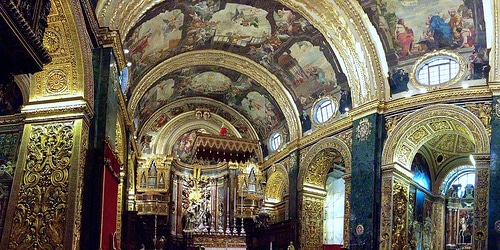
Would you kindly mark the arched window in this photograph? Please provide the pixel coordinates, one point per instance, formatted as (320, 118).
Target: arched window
(437, 70)
(324, 109)
(275, 141)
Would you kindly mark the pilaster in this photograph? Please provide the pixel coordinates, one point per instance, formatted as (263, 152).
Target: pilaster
(394, 206)
(47, 185)
(365, 193)
(481, 192)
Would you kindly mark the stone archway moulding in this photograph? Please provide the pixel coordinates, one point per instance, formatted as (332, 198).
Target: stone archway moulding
(416, 129)
(333, 143)
(277, 181)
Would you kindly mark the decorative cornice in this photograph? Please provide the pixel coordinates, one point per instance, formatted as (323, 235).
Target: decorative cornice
(49, 111)
(11, 119)
(367, 109)
(280, 155)
(112, 38)
(438, 97)
(339, 126)
(26, 30)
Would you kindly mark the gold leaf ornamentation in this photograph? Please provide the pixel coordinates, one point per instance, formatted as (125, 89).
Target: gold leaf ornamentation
(363, 130)
(57, 81)
(40, 213)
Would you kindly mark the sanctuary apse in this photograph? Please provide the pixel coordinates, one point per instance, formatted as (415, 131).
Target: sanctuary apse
(347, 124)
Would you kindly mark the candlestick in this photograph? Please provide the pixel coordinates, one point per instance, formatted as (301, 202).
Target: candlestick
(242, 231)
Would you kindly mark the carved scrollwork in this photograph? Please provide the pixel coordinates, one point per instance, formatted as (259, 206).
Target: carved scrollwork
(400, 207)
(386, 213)
(41, 208)
(312, 223)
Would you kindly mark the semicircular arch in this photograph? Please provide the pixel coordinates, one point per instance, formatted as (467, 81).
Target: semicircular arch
(276, 183)
(328, 143)
(416, 129)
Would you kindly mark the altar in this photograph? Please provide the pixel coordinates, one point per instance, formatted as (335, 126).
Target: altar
(218, 241)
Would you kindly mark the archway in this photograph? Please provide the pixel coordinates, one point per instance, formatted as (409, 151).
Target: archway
(420, 151)
(330, 155)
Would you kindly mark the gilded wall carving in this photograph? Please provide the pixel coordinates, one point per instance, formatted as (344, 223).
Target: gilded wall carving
(343, 154)
(318, 169)
(40, 213)
(311, 226)
(347, 210)
(81, 166)
(438, 208)
(276, 185)
(483, 111)
(412, 224)
(405, 138)
(386, 213)
(66, 40)
(363, 130)
(391, 122)
(399, 218)
(481, 192)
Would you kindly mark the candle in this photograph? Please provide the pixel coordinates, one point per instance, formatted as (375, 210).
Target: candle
(228, 201)
(241, 205)
(271, 245)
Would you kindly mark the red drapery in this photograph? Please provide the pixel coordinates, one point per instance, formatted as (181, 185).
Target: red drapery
(111, 171)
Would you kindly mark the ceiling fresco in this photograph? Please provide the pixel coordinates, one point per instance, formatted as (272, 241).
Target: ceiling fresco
(266, 32)
(226, 86)
(290, 48)
(456, 25)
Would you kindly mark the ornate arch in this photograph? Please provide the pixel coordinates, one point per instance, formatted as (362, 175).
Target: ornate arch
(70, 73)
(416, 129)
(276, 183)
(227, 60)
(307, 172)
(151, 124)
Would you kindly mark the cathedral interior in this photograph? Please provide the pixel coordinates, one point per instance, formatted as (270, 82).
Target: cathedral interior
(244, 124)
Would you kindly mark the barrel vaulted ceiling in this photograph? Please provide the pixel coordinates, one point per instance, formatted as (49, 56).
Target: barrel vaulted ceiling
(260, 65)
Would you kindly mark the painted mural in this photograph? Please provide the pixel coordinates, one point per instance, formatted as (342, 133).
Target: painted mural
(449, 24)
(9, 145)
(227, 86)
(266, 32)
(11, 98)
(183, 145)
